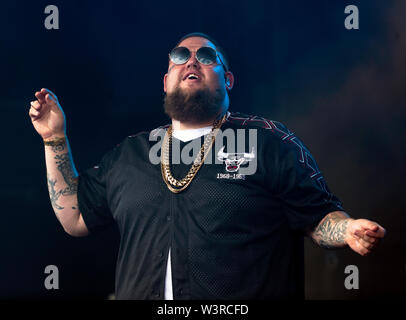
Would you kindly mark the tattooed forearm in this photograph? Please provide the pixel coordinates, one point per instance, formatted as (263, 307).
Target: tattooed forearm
(331, 231)
(65, 167)
(63, 180)
(53, 194)
(59, 147)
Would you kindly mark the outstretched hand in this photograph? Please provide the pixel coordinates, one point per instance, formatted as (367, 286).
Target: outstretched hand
(364, 235)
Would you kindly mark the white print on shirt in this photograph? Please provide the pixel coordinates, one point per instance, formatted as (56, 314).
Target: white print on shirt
(231, 140)
(233, 161)
(231, 176)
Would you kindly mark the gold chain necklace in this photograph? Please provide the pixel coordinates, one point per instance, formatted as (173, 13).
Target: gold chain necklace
(173, 184)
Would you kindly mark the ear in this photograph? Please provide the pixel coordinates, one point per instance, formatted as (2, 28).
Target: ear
(165, 76)
(229, 78)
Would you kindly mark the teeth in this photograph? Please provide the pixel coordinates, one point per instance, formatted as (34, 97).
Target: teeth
(193, 76)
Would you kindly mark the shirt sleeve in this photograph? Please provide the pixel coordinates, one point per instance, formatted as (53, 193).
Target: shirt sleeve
(92, 195)
(301, 186)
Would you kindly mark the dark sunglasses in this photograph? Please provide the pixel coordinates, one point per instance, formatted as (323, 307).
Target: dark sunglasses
(205, 55)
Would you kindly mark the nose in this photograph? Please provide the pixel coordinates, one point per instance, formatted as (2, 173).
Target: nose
(192, 62)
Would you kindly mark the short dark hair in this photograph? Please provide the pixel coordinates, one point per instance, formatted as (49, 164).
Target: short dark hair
(224, 57)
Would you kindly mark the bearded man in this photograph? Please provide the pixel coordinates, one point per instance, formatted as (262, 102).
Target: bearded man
(206, 229)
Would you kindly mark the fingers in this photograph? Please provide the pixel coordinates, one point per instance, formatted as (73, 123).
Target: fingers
(376, 232)
(364, 243)
(368, 242)
(48, 94)
(360, 249)
(40, 96)
(365, 237)
(49, 99)
(371, 228)
(45, 99)
(36, 109)
(36, 105)
(34, 114)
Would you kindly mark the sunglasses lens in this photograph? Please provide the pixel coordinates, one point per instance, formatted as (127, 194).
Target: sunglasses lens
(179, 55)
(206, 55)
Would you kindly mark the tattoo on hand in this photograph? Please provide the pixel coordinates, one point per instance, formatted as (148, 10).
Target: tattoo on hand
(330, 233)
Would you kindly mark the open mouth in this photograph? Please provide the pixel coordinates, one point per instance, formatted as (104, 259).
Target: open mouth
(191, 76)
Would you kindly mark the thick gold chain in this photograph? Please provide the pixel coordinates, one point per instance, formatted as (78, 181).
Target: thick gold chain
(173, 184)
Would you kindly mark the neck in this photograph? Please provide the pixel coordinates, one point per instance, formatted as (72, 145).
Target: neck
(177, 125)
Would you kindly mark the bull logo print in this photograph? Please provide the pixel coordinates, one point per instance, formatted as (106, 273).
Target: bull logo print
(233, 161)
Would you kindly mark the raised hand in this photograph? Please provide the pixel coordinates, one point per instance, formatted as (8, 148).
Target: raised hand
(47, 115)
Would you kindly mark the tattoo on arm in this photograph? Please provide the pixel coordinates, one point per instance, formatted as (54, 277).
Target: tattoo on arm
(59, 147)
(331, 231)
(65, 167)
(53, 194)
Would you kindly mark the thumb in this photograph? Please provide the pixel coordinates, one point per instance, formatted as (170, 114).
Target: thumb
(363, 224)
(50, 100)
(374, 228)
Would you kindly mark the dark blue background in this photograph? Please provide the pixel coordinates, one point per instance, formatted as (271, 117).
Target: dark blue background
(341, 91)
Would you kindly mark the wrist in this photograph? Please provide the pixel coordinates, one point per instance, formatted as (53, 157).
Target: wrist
(347, 225)
(54, 137)
(55, 141)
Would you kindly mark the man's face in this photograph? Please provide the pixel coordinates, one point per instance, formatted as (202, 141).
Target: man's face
(211, 77)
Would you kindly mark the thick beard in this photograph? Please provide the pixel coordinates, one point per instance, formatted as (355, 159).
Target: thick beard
(197, 107)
